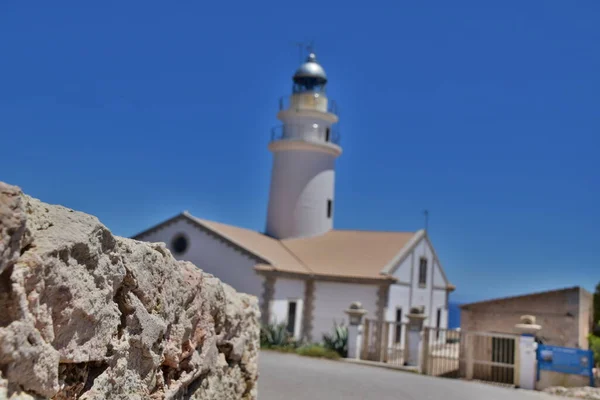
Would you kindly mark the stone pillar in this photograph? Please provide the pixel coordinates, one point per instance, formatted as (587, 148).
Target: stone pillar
(267, 296)
(355, 316)
(416, 318)
(525, 365)
(308, 310)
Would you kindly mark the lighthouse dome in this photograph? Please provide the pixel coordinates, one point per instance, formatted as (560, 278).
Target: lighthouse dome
(310, 75)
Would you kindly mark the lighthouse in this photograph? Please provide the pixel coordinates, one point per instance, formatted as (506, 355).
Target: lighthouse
(305, 147)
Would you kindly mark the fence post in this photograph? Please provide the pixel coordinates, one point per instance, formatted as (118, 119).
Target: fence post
(385, 341)
(424, 361)
(527, 352)
(469, 359)
(355, 316)
(365, 346)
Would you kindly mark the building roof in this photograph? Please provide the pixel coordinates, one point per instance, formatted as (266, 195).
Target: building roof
(361, 255)
(355, 254)
(263, 246)
(524, 296)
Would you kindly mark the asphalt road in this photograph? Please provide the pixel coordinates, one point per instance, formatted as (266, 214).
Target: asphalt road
(291, 377)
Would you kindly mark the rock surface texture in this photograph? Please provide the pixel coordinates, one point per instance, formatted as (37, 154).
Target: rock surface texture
(587, 393)
(85, 314)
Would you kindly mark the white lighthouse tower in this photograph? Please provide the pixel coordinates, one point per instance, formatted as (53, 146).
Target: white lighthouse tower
(301, 200)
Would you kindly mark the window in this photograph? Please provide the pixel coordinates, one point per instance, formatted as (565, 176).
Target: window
(179, 244)
(423, 272)
(327, 134)
(398, 337)
(329, 208)
(291, 317)
(437, 323)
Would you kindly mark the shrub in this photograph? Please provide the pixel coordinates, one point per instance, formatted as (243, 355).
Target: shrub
(594, 342)
(338, 340)
(275, 336)
(282, 349)
(315, 350)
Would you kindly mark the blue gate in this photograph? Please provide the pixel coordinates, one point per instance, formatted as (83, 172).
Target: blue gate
(565, 360)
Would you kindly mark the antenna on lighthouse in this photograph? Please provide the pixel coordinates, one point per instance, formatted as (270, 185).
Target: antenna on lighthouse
(426, 214)
(301, 47)
(304, 46)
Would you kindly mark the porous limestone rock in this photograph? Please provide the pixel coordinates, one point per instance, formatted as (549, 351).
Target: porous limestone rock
(586, 393)
(85, 314)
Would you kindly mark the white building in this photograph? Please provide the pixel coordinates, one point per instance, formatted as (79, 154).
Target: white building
(304, 272)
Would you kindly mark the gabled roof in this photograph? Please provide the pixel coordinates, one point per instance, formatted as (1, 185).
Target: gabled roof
(265, 247)
(355, 254)
(368, 255)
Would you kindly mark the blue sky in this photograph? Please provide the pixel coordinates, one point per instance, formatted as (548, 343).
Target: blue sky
(485, 113)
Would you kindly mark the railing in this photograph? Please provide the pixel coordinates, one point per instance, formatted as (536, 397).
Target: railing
(483, 356)
(441, 352)
(308, 101)
(384, 342)
(309, 133)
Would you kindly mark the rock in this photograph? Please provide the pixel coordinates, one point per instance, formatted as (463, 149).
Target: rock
(13, 231)
(90, 315)
(588, 393)
(14, 395)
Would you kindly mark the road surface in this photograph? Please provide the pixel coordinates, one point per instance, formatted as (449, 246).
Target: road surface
(291, 377)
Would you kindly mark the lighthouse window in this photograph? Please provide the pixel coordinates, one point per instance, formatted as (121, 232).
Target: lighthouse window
(329, 208)
(327, 133)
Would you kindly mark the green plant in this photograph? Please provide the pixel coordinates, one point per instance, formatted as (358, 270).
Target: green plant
(282, 349)
(596, 328)
(316, 350)
(275, 336)
(594, 342)
(337, 340)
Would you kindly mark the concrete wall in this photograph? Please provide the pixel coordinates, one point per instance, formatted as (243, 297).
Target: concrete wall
(212, 256)
(551, 378)
(332, 298)
(404, 271)
(557, 312)
(399, 297)
(287, 290)
(586, 317)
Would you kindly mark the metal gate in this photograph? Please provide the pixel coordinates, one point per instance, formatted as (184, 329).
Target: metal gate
(383, 342)
(441, 352)
(485, 356)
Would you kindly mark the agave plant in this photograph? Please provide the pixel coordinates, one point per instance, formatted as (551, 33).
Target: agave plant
(274, 335)
(337, 340)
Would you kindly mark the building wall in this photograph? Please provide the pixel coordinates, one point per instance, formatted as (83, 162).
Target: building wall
(438, 278)
(405, 270)
(332, 298)
(557, 312)
(213, 256)
(399, 297)
(552, 379)
(439, 302)
(586, 317)
(409, 293)
(287, 290)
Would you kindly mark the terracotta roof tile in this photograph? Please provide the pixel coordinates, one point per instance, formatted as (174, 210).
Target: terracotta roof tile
(360, 254)
(337, 253)
(354, 254)
(263, 246)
